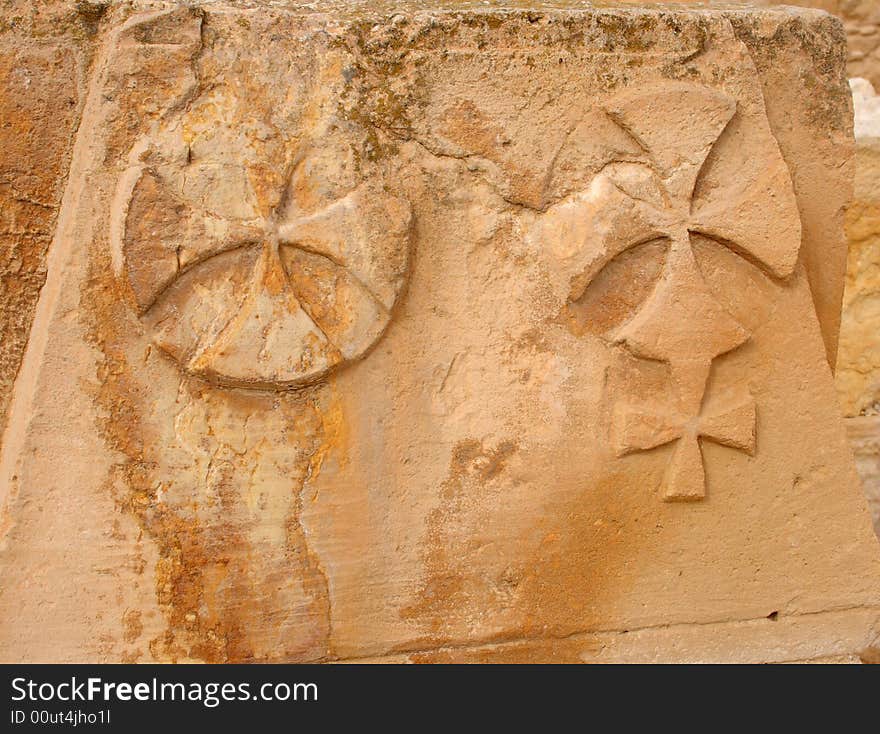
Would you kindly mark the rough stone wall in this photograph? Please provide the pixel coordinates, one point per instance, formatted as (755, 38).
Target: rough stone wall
(862, 21)
(44, 54)
(858, 366)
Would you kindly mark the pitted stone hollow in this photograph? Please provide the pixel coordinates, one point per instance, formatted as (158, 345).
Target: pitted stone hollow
(267, 303)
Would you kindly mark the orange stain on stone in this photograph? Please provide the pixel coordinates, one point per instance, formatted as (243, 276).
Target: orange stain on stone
(215, 587)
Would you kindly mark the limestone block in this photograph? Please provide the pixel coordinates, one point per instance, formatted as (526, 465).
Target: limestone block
(411, 331)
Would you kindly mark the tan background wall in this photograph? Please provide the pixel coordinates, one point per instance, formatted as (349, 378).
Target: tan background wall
(858, 365)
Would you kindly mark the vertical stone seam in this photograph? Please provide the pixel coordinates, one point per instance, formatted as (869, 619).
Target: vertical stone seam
(83, 71)
(21, 404)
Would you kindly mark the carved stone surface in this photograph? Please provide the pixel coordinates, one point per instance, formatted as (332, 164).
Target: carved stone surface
(379, 332)
(679, 202)
(253, 274)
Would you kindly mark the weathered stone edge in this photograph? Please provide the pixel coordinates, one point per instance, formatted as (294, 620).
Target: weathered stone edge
(847, 635)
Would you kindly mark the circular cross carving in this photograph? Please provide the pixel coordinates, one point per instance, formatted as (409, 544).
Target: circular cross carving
(268, 302)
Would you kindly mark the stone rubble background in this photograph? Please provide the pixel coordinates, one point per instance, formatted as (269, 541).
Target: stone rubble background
(858, 362)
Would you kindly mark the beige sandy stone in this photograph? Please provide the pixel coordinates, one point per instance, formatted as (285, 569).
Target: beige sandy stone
(443, 333)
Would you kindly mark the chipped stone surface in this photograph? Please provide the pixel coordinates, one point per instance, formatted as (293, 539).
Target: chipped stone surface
(473, 333)
(861, 19)
(41, 79)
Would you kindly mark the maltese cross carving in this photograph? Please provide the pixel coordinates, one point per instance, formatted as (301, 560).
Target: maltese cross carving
(267, 302)
(732, 426)
(676, 190)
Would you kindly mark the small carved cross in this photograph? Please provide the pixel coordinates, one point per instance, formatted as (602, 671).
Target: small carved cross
(733, 424)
